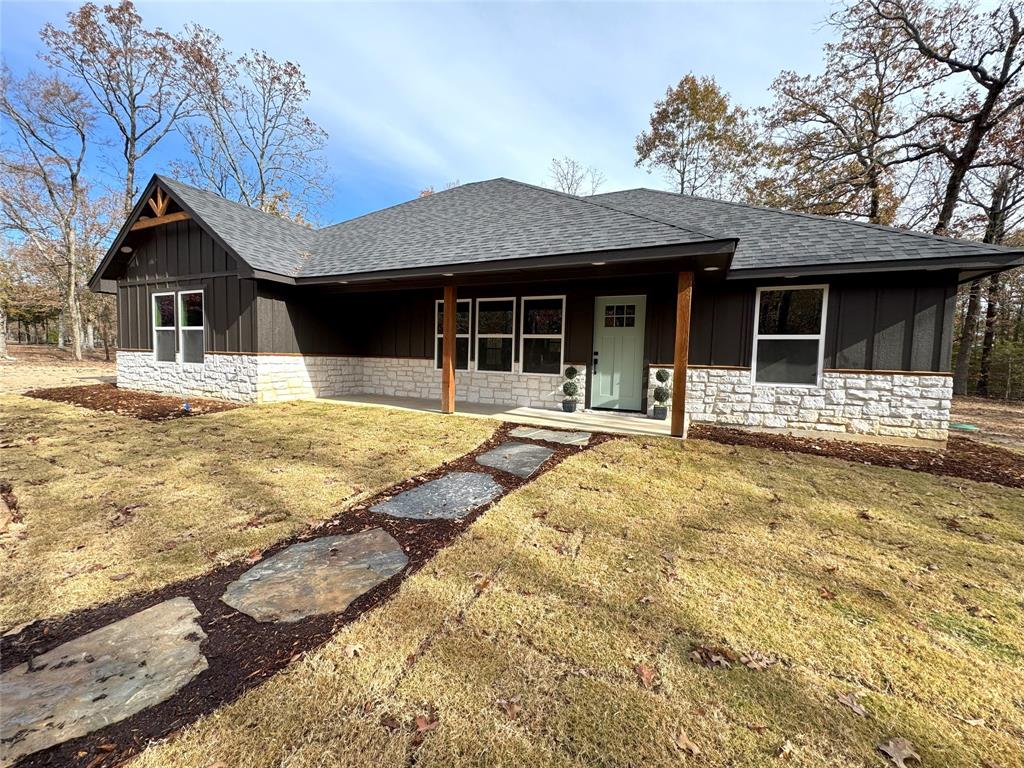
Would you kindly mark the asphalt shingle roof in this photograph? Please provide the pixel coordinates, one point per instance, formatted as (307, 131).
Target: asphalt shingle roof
(771, 238)
(501, 219)
(485, 221)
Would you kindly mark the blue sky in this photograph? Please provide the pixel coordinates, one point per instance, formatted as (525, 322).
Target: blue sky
(422, 94)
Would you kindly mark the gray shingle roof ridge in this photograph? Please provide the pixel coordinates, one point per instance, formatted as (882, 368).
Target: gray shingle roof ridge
(818, 217)
(225, 201)
(422, 199)
(656, 220)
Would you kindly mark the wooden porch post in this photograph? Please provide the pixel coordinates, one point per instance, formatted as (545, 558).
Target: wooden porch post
(448, 352)
(684, 294)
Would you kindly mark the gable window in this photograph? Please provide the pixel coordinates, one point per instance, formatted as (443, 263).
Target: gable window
(495, 334)
(463, 309)
(190, 314)
(164, 327)
(543, 332)
(789, 333)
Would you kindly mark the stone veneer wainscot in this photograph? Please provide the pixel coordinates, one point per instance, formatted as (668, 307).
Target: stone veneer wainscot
(907, 405)
(269, 378)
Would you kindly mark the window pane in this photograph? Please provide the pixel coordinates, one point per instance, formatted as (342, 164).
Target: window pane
(542, 355)
(495, 316)
(165, 346)
(494, 354)
(191, 346)
(461, 354)
(790, 312)
(192, 309)
(787, 361)
(163, 311)
(542, 316)
(461, 317)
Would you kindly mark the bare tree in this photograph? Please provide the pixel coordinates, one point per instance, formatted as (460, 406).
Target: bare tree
(253, 141)
(697, 138)
(961, 40)
(45, 200)
(572, 177)
(132, 73)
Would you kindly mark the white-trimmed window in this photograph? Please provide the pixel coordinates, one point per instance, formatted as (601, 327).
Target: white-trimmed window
(463, 311)
(190, 316)
(495, 334)
(789, 335)
(164, 327)
(542, 334)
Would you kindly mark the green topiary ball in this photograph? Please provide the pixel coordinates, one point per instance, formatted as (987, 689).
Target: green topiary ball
(662, 375)
(570, 389)
(571, 373)
(661, 395)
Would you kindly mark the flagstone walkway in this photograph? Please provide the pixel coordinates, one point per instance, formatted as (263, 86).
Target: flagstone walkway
(56, 704)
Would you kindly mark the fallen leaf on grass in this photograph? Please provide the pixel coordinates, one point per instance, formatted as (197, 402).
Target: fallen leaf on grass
(713, 656)
(974, 721)
(426, 723)
(899, 750)
(786, 750)
(511, 707)
(850, 700)
(120, 576)
(646, 675)
(757, 661)
(684, 744)
(353, 650)
(826, 593)
(481, 586)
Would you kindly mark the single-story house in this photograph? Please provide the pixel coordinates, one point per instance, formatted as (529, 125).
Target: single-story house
(487, 292)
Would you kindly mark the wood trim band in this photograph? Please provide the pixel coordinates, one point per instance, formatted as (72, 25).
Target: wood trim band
(885, 372)
(170, 218)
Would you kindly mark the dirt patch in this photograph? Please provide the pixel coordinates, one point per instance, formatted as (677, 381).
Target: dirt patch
(964, 458)
(242, 652)
(999, 422)
(127, 402)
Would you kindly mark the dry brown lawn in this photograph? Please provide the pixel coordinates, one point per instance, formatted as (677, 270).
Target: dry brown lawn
(1001, 423)
(112, 505)
(527, 642)
(35, 365)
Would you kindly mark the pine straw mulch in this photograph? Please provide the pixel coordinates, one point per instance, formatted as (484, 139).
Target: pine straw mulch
(241, 651)
(126, 402)
(962, 457)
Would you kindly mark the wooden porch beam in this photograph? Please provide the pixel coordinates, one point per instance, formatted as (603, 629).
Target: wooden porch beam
(448, 351)
(156, 222)
(684, 296)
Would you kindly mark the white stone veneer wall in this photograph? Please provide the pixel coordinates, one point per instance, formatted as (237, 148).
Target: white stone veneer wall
(267, 378)
(908, 405)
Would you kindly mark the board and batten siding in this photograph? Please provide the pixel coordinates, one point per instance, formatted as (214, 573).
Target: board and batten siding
(182, 256)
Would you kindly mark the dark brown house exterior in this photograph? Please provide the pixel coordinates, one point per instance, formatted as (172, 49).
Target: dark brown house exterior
(762, 318)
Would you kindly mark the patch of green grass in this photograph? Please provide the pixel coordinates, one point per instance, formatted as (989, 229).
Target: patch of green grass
(635, 553)
(104, 495)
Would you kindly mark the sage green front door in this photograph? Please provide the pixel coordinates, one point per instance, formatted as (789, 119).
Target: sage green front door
(616, 379)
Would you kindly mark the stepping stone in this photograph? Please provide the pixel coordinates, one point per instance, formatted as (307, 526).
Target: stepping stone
(551, 435)
(519, 459)
(99, 678)
(319, 576)
(450, 497)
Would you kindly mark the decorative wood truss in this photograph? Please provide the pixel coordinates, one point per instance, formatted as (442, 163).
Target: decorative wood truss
(158, 203)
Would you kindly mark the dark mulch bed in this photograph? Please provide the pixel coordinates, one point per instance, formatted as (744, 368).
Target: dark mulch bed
(241, 651)
(127, 402)
(962, 457)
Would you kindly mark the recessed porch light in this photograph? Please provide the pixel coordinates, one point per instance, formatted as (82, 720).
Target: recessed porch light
(447, 274)
(126, 249)
(711, 269)
(598, 263)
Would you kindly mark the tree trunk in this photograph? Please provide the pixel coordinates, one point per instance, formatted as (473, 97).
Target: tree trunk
(90, 335)
(61, 337)
(106, 347)
(963, 351)
(991, 313)
(3, 334)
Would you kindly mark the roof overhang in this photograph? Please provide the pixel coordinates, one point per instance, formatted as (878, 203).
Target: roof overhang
(987, 264)
(711, 256)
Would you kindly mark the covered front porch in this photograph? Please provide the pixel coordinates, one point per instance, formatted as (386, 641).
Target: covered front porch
(580, 420)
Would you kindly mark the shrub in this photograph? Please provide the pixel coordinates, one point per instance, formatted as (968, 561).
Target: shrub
(571, 373)
(661, 395)
(662, 375)
(570, 389)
